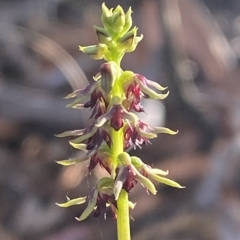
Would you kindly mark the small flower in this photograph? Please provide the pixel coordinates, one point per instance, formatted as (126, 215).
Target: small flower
(93, 140)
(117, 115)
(137, 133)
(135, 87)
(93, 97)
(99, 199)
(103, 157)
(92, 93)
(132, 170)
(153, 173)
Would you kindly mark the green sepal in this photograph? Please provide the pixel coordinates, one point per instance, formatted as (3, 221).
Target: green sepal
(159, 171)
(117, 20)
(70, 133)
(132, 117)
(79, 146)
(117, 189)
(127, 40)
(105, 17)
(166, 181)
(151, 93)
(94, 51)
(78, 106)
(135, 43)
(165, 130)
(144, 181)
(105, 185)
(84, 136)
(128, 21)
(91, 205)
(72, 161)
(156, 85)
(77, 102)
(146, 134)
(75, 201)
(71, 95)
(102, 34)
(101, 121)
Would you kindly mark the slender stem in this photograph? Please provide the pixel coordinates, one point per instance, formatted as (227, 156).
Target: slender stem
(117, 145)
(123, 223)
(123, 220)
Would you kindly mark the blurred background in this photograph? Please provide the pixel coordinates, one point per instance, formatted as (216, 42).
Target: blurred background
(191, 46)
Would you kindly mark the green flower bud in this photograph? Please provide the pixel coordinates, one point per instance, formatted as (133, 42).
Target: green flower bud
(125, 77)
(124, 158)
(95, 51)
(135, 43)
(126, 41)
(108, 76)
(128, 21)
(103, 35)
(118, 20)
(105, 18)
(137, 162)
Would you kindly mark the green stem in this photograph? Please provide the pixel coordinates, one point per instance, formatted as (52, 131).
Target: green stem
(123, 223)
(123, 220)
(117, 145)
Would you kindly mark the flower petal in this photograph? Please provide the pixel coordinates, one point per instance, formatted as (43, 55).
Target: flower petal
(103, 119)
(155, 85)
(75, 201)
(165, 130)
(145, 133)
(72, 161)
(159, 171)
(144, 181)
(166, 181)
(131, 205)
(91, 205)
(80, 146)
(77, 102)
(121, 178)
(88, 90)
(84, 136)
(151, 93)
(70, 133)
